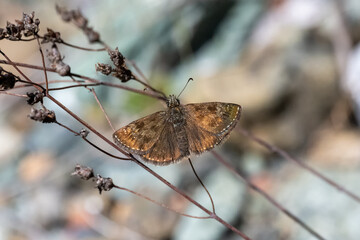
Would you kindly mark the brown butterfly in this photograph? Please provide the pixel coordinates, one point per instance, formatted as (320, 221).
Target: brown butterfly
(168, 136)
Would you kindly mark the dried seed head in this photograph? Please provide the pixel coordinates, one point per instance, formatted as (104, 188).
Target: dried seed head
(52, 36)
(83, 172)
(105, 69)
(35, 97)
(80, 21)
(117, 58)
(42, 115)
(103, 184)
(92, 35)
(7, 79)
(84, 133)
(30, 25)
(55, 58)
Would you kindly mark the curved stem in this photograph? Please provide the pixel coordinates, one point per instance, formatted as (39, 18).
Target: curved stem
(202, 184)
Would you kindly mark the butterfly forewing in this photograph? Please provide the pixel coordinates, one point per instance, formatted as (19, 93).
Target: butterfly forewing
(139, 136)
(215, 117)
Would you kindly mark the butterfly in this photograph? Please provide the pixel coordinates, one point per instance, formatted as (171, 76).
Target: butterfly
(166, 137)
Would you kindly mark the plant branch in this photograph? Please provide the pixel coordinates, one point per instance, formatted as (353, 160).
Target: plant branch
(302, 164)
(202, 184)
(267, 196)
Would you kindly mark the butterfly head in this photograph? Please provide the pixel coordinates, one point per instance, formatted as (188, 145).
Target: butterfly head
(172, 101)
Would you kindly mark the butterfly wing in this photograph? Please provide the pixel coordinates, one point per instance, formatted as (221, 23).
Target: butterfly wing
(166, 149)
(139, 136)
(208, 124)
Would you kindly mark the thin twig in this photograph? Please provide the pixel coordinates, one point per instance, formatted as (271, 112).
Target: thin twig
(66, 127)
(102, 108)
(268, 197)
(103, 151)
(146, 93)
(202, 184)
(12, 94)
(299, 163)
(132, 63)
(43, 63)
(159, 204)
(17, 69)
(89, 142)
(83, 48)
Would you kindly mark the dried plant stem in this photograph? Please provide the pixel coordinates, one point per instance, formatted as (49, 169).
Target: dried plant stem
(43, 62)
(19, 71)
(13, 94)
(159, 204)
(202, 184)
(83, 48)
(299, 163)
(94, 82)
(132, 63)
(102, 109)
(267, 196)
(211, 214)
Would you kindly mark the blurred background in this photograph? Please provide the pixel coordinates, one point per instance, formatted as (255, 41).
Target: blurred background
(293, 65)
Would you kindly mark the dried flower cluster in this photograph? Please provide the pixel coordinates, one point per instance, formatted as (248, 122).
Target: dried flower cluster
(86, 173)
(52, 36)
(56, 60)
(42, 115)
(27, 26)
(121, 71)
(7, 79)
(35, 97)
(76, 17)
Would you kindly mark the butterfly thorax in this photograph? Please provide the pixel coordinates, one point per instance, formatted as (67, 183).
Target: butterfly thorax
(176, 116)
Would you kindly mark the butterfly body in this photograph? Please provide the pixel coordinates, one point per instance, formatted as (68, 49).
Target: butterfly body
(168, 136)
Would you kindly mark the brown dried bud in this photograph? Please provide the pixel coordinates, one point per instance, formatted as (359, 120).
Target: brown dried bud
(51, 36)
(42, 115)
(35, 97)
(92, 35)
(103, 68)
(7, 79)
(55, 58)
(66, 15)
(78, 19)
(103, 184)
(84, 133)
(13, 31)
(117, 58)
(83, 172)
(2, 33)
(30, 26)
(121, 71)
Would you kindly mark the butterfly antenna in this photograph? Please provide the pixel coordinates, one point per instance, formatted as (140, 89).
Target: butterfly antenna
(190, 79)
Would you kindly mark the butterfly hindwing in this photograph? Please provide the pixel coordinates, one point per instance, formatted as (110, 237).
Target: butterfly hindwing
(165, 150)
(139, 136)
(200, 139)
